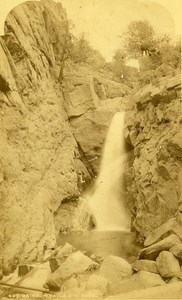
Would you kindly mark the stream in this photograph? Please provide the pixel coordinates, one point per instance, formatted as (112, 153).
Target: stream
(102, 243)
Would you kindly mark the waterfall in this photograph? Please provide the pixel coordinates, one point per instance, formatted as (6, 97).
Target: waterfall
(107, 202)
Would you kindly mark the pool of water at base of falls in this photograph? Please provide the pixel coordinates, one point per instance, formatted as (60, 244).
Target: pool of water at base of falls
(103, 243)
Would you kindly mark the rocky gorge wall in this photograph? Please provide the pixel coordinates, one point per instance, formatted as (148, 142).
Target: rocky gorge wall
(154, 129)
(51, 133)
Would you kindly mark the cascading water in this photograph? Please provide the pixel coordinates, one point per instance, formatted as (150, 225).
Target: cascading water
(108, 199)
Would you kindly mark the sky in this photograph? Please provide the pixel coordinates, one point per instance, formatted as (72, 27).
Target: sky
(104, 21)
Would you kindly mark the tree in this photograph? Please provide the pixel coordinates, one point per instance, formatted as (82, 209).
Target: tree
(65, 46)
(140, 35)
(82, 49)
(170, 50)
(96, 60)
(84, 53)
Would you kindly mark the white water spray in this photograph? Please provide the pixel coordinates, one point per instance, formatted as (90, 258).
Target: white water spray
(108, 200)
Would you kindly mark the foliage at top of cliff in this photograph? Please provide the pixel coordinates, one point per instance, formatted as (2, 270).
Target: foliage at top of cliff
(157, 55)
(140, 35)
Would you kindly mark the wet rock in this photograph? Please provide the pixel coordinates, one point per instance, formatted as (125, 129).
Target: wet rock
(73, 214)
(145, 265)
(115, 267)
(91, 128)
(176, 250)
(76, 263)
(153, 251)
(167, 264)
(97, 282)
(138, 281)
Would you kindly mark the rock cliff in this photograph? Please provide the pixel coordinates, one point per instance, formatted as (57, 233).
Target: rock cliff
(51, 132)
(154, 129)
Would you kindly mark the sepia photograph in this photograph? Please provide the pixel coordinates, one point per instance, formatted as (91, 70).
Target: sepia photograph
(90, 149)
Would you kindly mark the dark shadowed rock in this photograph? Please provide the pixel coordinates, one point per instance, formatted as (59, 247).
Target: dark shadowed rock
(153, 251)
(167, 264)
(54, 264)
(1, 274)
(24, 269)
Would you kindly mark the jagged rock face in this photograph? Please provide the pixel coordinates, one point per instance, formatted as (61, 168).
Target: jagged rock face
(44, 160)
(38, 168)
(154, 128)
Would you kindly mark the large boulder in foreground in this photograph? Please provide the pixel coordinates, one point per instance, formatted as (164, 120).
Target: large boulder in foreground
(167, 264)
(115, 267)
(153, 251)
(76, 263)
